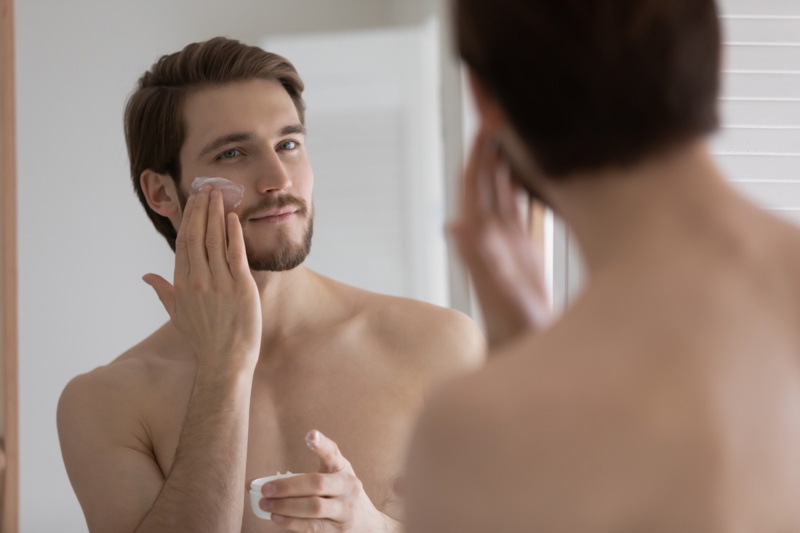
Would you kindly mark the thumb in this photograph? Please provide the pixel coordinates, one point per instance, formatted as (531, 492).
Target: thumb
(455, 232)
(164, 290)
(331, 459)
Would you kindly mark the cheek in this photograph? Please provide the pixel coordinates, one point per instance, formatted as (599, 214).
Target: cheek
(232, 192)
(306, 180)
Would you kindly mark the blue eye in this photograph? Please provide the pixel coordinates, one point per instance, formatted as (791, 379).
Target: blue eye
(288, 145)
(229, 154)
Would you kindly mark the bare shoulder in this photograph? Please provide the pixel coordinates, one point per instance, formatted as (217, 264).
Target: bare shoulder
(156, 365)
(105, 430)
(535, 441)
(438, 340)
(107, 398)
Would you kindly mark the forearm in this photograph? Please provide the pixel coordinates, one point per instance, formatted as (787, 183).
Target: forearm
(204, 491)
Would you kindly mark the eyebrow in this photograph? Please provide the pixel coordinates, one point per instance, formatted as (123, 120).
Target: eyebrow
(219, 142)
(297, 129)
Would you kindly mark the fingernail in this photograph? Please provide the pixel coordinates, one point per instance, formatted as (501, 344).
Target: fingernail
(312, 439)
(268, 489)
(265, 504)
(278, 519)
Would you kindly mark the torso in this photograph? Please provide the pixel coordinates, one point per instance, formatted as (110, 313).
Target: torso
(350, 381)
(666, 399)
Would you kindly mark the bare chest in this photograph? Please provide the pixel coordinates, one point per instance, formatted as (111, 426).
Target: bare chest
(366, 407)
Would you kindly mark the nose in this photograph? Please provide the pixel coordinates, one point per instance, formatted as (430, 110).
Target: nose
(273, 176)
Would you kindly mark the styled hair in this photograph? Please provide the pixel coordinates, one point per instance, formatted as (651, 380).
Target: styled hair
(590, 84)
(154, 124)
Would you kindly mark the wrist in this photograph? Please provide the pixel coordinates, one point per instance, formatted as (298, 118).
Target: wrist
(225, 375)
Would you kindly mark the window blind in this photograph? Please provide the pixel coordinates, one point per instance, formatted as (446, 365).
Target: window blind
(758, 146)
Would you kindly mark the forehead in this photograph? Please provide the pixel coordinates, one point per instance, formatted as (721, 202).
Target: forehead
(261, 107)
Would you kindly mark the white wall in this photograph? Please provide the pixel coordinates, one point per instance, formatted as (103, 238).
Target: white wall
(84, 241)
(406, 12)
(391, 177)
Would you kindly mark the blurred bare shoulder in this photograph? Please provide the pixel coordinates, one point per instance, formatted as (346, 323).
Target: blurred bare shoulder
(533, 442)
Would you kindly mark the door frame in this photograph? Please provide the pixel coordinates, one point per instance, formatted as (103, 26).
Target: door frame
(8, 270)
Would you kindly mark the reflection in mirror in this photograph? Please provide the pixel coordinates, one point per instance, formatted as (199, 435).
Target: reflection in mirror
(8, 282)
(85, 241)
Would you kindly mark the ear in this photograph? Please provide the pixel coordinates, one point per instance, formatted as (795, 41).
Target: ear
(161, 193)
(492, 117)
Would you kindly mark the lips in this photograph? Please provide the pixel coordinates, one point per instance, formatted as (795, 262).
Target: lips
(275, 213)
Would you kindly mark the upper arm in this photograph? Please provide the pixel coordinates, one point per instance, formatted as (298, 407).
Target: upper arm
(109, 462)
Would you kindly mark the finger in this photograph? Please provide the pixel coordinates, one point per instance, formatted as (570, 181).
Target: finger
(196, 235)
(485, 173)
(308, 507)
(314, 484)
(215, 237)
(507, 195)
(237, 256)
(304, 525)
(471, 198)
(164, 290)
(457, 236)
(330, 458)
(181, 248)
(523, 204)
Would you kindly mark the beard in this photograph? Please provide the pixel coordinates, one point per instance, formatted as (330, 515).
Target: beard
(286, 254)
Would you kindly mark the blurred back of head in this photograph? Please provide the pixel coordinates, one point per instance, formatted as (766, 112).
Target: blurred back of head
(592, 84)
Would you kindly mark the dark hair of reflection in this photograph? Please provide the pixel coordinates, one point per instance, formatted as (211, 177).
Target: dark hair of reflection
(590, 84)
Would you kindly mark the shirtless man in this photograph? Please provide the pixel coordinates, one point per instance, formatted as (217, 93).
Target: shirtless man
(264, 366)
(667, 397)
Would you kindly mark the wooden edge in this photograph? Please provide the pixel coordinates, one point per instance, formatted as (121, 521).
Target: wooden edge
(8, 211)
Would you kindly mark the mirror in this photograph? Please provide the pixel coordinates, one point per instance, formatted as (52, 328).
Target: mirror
(8, 282)
(85, 241)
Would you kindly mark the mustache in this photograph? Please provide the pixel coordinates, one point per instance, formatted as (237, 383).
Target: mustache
(275, 202)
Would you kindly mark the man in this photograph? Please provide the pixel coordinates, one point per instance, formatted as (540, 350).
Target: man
(264, 366)
(667, 397)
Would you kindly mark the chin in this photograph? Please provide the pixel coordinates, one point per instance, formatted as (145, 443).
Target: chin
(282, 254)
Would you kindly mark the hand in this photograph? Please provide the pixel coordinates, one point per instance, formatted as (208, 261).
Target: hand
(215, 301)
(503, 261)
(332, 500)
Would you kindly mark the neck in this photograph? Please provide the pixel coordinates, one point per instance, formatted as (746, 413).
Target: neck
(615, 212)
(290, 301)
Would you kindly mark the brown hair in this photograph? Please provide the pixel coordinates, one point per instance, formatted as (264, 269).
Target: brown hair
(154, 125)
(590, 84)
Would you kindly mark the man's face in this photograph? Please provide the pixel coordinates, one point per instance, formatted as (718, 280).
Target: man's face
(250, 133)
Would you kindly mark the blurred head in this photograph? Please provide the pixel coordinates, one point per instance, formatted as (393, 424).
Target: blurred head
(591, 84)
(224, 109)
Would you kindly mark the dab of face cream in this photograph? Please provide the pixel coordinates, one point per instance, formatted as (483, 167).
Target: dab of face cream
(232, 193)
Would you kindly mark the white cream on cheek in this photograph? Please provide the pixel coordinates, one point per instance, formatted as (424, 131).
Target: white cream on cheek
(232, 193)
